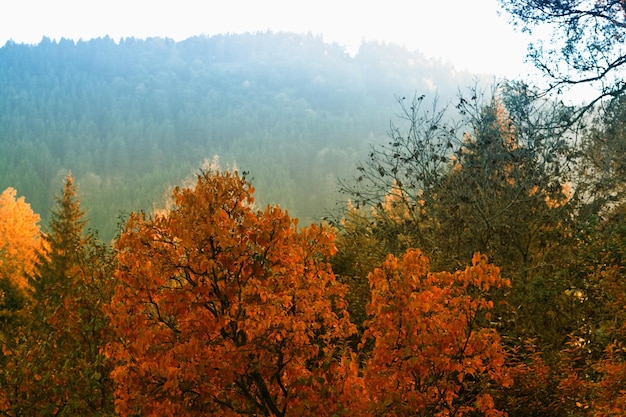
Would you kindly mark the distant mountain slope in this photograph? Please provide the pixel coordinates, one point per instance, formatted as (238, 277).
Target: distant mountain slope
(129, 118)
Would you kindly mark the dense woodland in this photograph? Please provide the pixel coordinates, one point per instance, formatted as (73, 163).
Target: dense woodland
(476, 266)
(131, 118)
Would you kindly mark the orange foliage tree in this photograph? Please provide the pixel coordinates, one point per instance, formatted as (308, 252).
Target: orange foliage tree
(224, 310)
(19, 241)
(19, 238)
(434, 352)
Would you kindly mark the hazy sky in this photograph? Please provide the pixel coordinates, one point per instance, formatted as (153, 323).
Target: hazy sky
(470, 34)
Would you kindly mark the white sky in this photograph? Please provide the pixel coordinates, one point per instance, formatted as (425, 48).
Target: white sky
(469, 34)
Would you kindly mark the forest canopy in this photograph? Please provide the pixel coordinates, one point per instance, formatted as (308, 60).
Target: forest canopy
(132, 117)
(475, 265)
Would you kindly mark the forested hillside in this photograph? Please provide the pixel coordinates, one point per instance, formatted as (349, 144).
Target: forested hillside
(130, 118)
(475, 266)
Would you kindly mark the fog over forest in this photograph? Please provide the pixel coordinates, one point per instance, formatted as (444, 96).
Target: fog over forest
(265, 224)
(131, 118)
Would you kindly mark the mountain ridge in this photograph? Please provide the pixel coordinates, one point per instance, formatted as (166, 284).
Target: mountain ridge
(129, 118)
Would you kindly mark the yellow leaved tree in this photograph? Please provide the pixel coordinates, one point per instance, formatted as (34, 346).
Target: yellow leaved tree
(19, 238)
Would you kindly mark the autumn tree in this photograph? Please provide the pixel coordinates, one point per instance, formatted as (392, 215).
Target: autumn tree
(19, 239)
(360, 249)
(590, 362)
(384, 214)
(511, 195)
(497, 184)
(506, 189)
(507, 153)
(435, 352)
(594, 356)
(57, 367)
(224, 310)
(504, 183)
(609, 386)
(592, 369)
(19, 242)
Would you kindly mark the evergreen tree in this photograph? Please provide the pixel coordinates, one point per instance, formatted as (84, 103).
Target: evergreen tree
(64, 242)
(58, 368)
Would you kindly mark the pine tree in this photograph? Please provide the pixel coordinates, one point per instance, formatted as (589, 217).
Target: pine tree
(58, 368)
(65, 243)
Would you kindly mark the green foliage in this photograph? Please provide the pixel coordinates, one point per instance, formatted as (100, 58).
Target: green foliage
(129, 118)
(12, 301)
(55, 367)
(500, 183)
(603, 148)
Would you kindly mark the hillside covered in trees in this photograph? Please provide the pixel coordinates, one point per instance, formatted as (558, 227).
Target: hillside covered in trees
(476, 267)
(131, 118)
